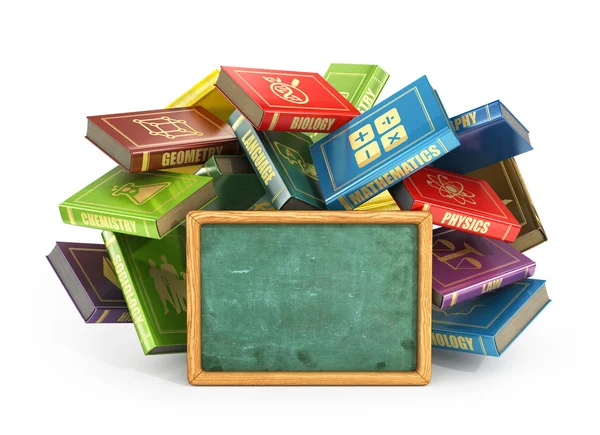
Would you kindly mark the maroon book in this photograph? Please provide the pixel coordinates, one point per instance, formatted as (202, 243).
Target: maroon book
(88, 276)
(161, 139)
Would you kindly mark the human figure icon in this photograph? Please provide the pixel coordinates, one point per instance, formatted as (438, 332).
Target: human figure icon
(160, 284)
(171, 277)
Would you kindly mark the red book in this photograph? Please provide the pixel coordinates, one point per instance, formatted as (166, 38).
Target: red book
(162, 139)
(285, 100)
(457, 201)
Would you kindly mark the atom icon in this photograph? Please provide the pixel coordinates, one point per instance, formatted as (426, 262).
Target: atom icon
(451, 189)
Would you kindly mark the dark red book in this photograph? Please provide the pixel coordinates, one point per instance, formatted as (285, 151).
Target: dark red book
(457, 201)
(285, 100)
(161, 139)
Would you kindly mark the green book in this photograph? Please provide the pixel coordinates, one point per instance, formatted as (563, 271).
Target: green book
(146, 204)
(262, 204)
(152, 276)
(236, 184)
(359, 84)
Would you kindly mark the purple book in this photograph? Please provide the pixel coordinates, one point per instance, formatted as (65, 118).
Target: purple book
(466, 266)
(89, 278)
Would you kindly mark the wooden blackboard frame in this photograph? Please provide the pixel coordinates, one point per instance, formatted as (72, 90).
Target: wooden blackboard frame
(420, 376)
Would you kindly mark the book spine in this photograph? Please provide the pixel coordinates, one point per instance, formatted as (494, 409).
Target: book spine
(487, 286)
(368, 95)
(106, 221)
(197, 92)
(392, 173)
(451, 218)
(462, 342)
(129, 287)
(112, 315)
(157, 160)
(365, 98)
(268, 172)
(513, 164)
(476, 118)
(303, 122)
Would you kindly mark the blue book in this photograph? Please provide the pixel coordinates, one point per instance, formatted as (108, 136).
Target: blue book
(487, 135)
(488, 324)
(382, 146)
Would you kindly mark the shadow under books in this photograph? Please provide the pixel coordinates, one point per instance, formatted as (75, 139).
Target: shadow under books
(459, 361)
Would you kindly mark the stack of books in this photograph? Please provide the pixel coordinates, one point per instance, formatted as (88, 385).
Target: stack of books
(255, 139)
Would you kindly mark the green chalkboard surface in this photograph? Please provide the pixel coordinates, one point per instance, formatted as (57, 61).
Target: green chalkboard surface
(309, 298)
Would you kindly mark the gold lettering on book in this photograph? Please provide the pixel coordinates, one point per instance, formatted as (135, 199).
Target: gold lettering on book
(452, 341)
(304, 123)
(189, 157)
(256, 154)
(366, 101)
(466, 223)
(108, 222)
(288, 92)
(395, 174)
(167, 127)
(492, 285)
(132, 302)
(465, 120)
(139, 194)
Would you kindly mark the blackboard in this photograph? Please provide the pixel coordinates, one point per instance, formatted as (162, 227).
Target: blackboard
(309, 297)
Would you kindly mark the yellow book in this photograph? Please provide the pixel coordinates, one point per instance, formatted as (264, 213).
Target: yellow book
(206, 95)
(383, 201)
(203, 94)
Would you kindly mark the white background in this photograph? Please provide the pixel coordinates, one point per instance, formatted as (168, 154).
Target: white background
(64, 61)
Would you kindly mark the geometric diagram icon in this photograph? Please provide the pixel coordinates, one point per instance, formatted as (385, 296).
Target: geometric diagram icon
(168, 127)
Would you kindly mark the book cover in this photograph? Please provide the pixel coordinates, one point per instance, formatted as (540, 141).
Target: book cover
(382, 146)
(87, 274)
(262, 204)
(236, 184)
(488, 134)
(204, 94)
(506, 180)
(283, 164)
(161, 139)
(285, 100)
(488, 324)
(359, 84)
(152, 276)
(466, 266)
(457, 201)
(145, 204)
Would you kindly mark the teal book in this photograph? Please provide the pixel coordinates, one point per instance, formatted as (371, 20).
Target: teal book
(145, 204)
(235, 183)
(151, 274)
(488, 324)
(359, 84)
(283, 164)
